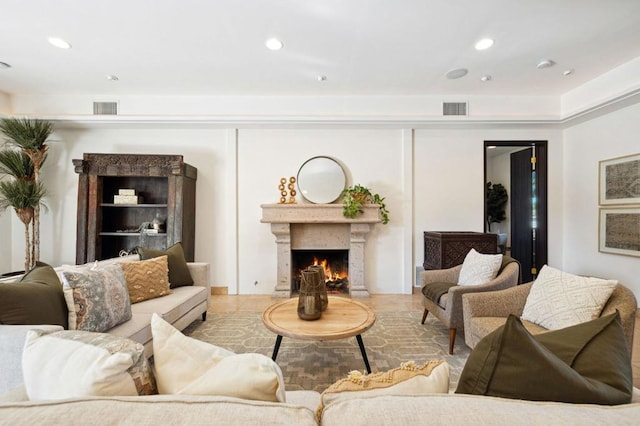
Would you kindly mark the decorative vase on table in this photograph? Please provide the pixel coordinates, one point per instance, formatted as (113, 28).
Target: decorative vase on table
(310, 300)
(318, 269)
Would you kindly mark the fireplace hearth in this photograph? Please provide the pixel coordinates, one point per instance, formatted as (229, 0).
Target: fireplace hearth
(319, 227)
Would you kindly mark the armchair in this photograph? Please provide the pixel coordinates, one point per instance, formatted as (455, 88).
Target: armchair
(485, 312)
(448, 309)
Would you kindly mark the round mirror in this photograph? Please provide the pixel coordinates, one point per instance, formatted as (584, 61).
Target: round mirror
(321, 180)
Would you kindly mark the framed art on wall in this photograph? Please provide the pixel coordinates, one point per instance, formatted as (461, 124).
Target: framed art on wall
(619, 231)
(619, 180)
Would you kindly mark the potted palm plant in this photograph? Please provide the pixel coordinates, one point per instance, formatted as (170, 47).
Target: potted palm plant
(354, 197)
(21, 160)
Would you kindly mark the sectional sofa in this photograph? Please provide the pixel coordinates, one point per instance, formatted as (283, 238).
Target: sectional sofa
(180, 308)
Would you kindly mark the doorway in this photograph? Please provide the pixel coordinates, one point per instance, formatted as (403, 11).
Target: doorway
(521, 166)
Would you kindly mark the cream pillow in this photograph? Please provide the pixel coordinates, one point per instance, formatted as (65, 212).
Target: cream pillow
(479, 268)
(187, 366)
(70, 364)
(558, 299)
(408, 379)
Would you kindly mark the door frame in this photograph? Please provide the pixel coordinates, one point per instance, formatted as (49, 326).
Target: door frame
(541, 147)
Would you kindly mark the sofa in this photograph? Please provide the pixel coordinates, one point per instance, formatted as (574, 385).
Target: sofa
(300, 409)
(180, 308)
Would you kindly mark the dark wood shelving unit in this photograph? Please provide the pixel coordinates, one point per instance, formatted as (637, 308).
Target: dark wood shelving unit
(167, 186)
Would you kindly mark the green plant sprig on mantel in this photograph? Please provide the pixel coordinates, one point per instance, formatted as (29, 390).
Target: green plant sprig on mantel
(354, 197)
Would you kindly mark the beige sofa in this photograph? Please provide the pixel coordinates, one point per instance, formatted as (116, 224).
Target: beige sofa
(180, 308)
(435, 409)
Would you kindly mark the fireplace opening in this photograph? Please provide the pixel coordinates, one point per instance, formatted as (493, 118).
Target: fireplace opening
(334, 262)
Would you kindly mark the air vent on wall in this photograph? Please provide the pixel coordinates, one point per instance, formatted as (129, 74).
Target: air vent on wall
(454, 108)
(105, 108)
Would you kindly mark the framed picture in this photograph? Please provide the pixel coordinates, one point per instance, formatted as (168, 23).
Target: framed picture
(620, 231)
(619, 180)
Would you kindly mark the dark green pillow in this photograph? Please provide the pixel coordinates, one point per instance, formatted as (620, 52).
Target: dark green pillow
(179, 275)
(36, 299)
(587, 363)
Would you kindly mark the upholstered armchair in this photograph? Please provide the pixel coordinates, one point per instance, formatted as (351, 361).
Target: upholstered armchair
(448, 309)
(485, 312)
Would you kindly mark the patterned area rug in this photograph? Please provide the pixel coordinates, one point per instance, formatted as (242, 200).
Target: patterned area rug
(395, 337)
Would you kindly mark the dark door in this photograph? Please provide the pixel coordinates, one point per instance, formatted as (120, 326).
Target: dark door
(528, 210)
(528, 201)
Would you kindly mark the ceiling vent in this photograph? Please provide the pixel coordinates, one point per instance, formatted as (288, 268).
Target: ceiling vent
(454, 108)
(105, 108)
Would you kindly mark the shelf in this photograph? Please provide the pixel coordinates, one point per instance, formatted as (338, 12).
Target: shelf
(132, 234)
(133, 205)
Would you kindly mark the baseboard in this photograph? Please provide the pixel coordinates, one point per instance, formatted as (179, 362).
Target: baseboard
(217, 291)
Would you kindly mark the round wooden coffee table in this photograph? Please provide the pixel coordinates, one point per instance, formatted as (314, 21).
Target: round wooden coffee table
(343, 318)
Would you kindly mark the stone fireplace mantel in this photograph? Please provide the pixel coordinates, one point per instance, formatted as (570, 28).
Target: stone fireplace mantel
(322, 227)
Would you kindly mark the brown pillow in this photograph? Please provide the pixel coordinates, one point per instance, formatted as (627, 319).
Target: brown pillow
(36, 299)
(179, 275)
(587, 363)
(147, 279)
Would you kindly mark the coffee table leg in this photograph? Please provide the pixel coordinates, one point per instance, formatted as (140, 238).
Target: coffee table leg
(363, 352)
(276, 347)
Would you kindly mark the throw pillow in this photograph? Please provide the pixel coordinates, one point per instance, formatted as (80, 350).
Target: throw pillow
(179, 274)
(187, 366)
(587, 363)
(147, 279)
(479, 268)
(70, 364)
(408, 379)
(98, 297)
(558, 299)
(36, 299)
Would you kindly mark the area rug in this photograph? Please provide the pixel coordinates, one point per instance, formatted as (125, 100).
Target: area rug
(395, 337)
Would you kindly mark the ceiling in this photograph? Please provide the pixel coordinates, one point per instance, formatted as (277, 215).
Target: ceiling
(363, 47)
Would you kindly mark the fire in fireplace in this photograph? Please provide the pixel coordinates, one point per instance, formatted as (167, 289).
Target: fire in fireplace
(334, 262)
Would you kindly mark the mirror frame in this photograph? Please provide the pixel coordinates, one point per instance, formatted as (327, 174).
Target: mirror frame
(321, 180)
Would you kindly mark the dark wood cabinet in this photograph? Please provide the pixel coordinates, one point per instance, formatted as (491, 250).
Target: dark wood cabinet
(447, 249)
(166, 187)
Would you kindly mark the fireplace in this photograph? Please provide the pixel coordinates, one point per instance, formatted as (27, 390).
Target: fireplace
(334, 262)
(319, 227)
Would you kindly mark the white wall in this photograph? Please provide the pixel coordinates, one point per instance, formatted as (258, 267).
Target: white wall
(373, 158)
(609, 136)
(449, 181)
(446, 192)
(205, 149)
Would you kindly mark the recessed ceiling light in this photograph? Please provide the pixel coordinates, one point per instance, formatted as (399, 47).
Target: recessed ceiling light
(322, 78)
(456, 73)
(568, 72)
(486, 78)
(545, 63)
(58, 42)
(274, 44)
(112, 77)
(483, 44)
(4, 65)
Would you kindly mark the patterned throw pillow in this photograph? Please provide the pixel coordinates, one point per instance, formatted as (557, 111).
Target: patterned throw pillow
(558, 299)
(147, 279)
(408, 379)
(71, 364)
(479, 268)
(99, 298)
